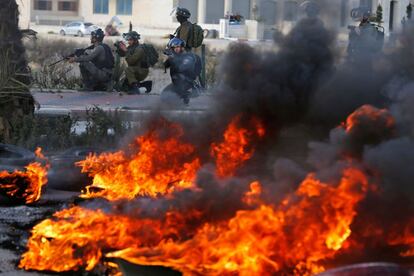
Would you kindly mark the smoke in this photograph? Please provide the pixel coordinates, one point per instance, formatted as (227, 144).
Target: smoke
(275, 86)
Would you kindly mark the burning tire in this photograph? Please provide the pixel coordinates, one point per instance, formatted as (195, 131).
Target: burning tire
(15, 156)
(6, 200)
(64, 174)
(368, 269)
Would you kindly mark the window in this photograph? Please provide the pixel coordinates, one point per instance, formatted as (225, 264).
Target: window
(67, 6)
(124, 7)
(43, 5)
(100, 6)
(290, 11)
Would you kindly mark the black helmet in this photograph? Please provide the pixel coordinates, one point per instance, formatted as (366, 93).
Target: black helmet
(176, 42)
(98, 34)
(183, 12)
(132, 35)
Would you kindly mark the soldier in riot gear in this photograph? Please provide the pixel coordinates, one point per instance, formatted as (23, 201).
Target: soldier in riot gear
(365, 40)
(183, 32)
(96, 66)
(137, 69)
(185, 68)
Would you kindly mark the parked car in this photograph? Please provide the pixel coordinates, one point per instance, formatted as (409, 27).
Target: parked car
(78, 28)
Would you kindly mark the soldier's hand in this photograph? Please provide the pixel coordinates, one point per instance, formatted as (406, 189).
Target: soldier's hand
(123, 47)
(71, 60)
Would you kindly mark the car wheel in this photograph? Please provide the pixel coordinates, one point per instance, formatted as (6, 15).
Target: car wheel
(80, 34)
(62, 32)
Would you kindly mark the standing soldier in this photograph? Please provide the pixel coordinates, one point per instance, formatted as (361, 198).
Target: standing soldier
(97, 66)
(184, 31)
(138, 67)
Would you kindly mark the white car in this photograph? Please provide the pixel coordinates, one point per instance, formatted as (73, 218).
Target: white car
(78, 28)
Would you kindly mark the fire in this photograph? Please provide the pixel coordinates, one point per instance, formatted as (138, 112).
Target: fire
(25, 185)
(236, 147)
(381, 117)
(159, 166)
(312, 225)
(290, 239)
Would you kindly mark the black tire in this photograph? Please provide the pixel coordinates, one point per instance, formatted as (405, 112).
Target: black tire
(80, 34)
(15, 156)
(64, 174)
(4, 199)
(62, 33)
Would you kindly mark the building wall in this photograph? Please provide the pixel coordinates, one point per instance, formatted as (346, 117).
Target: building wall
(54, 16)
(24, 18)
(145, 13)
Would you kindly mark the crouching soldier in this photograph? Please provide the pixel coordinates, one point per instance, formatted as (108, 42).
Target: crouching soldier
(96, 66)
(185, 68)
(138, 67)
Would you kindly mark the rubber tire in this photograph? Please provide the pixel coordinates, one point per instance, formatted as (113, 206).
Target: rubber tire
(64, 174)
(5, 200)
(80, 34)
(62, 33)
(15, 156)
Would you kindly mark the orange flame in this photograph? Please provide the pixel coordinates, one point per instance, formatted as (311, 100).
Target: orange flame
(25, 185)
(236, 147)
(159, 167)
(266, 240)
(312, 225)
(381, 116)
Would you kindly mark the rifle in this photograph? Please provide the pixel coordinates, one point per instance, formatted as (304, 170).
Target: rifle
(78, 52)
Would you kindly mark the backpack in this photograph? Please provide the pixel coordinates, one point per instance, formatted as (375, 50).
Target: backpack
(197, 36)
(151, 55)
(109, 60)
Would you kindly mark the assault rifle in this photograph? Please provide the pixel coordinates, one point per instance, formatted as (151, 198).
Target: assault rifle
(78, 52)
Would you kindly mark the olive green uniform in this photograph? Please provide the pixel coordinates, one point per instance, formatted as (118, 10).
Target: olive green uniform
(183, 32)
(137, 69)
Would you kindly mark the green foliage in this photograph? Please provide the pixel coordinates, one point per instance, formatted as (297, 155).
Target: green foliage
(55, 133)
(50, 133)
(409, 11)
(103, 128)
(379, 14)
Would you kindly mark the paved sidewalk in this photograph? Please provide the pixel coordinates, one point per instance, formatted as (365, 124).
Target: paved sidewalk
(76, 103)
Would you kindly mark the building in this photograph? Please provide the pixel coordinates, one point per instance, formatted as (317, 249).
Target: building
(153, 16)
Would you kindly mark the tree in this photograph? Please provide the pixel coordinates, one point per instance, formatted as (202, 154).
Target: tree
(378, 17)
(409, 11)
(16, 102)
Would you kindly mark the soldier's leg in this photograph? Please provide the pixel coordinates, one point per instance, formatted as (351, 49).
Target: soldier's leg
(96, 76)
(141, 75)
(130, 73)
(86, 76)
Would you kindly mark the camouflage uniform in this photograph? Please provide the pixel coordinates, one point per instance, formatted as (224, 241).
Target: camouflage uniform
(183, 32)
(137, 69)
(94, 68)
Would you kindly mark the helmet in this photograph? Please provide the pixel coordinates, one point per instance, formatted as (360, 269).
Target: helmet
(131, 35)
(311, 8)
(98, 34)
(176, 42)
(182, 12)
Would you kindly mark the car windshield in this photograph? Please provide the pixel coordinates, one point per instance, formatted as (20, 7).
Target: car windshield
(88, 24)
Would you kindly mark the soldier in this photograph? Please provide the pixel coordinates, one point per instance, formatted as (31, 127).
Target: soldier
(138, 68)
(185, 68)
(183, 32)
(96, 67)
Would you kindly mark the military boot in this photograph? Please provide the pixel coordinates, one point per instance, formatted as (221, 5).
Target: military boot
(147, 85)
(134, 88)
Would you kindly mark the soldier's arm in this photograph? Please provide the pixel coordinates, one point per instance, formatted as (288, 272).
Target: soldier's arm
(92, 55)
(136, 57)
(185, 33)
